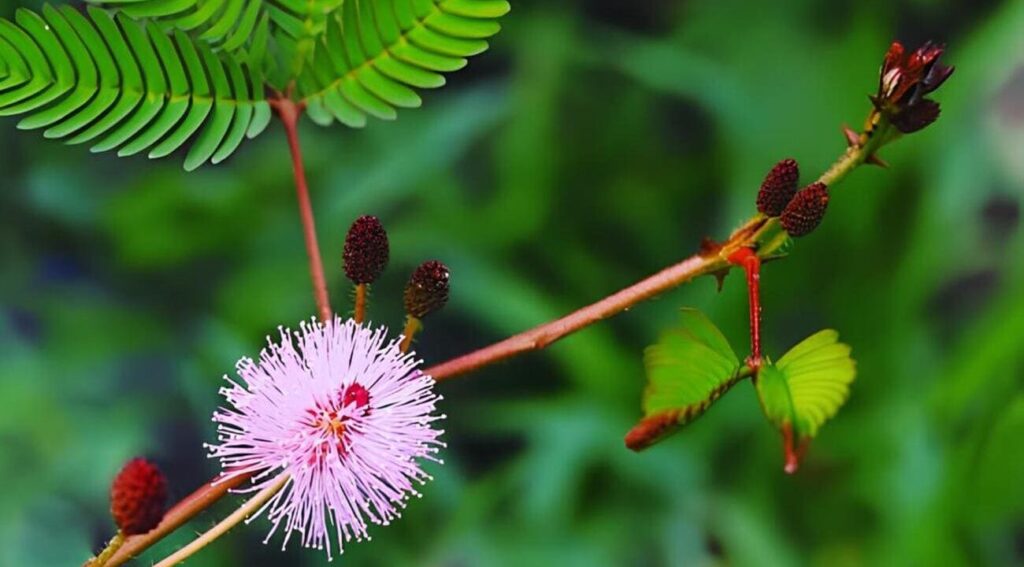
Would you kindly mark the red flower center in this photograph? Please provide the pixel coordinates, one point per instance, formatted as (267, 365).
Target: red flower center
(330, 421)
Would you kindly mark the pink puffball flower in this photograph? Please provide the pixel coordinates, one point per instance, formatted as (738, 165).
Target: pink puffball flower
(345, 414)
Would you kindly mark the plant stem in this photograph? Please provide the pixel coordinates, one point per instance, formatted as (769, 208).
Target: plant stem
(412, 326)
(543, 335)
(747, 259)
(182, 512)
(861, 149)
(359, 312)
(289, 112)
(112, 546)
(244, 511)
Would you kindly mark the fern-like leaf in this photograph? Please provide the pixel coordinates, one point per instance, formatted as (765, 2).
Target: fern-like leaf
(376, 52)
(689, 368)
(227, 24)
(120, 85)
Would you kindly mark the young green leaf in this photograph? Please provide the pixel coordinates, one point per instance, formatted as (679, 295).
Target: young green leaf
(689, 368)
(805, 388)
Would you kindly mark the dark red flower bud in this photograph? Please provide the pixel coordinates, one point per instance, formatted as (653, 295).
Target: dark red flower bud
(427, 290)
(138, 497)
(366, 250)
(805, 211)
(905, 80)
(778, 188)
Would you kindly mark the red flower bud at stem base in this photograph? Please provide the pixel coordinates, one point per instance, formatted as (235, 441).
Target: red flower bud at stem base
(805, 212)
(138, 497)
(778, 188)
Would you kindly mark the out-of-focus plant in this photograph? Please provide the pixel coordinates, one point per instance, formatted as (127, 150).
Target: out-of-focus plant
(330, 424)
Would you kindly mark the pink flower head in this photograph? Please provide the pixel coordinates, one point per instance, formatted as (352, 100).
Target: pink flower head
(345, 414)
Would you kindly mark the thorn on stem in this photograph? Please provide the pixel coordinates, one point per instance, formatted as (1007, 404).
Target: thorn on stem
(873, 159)
(852, 137)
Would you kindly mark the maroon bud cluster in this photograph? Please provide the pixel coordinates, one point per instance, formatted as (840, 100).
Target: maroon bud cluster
(805, 211)
(138, 497)
(778, 188)
(905, 80)
(427, 290)
(366, 250)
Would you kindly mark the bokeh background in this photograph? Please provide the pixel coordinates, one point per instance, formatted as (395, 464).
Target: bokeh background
(596, 142)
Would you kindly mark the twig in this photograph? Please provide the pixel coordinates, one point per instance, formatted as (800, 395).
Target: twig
(180, 513)
(289, 112)
(244, 511)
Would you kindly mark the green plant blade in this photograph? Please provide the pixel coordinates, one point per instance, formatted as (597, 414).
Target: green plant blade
(690, 367)
(806, 388)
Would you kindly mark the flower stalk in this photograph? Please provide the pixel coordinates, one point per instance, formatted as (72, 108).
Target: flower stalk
(289, 112)
(250, 507)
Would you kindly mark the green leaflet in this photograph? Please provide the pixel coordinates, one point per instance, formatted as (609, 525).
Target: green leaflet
(119, 85)
(226, 24)
(807, 386)
(689, 368)
(373, 53)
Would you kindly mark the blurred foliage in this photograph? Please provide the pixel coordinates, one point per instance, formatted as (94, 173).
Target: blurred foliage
(596, 143)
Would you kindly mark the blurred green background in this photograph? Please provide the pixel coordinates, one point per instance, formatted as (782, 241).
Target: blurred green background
(596, 142)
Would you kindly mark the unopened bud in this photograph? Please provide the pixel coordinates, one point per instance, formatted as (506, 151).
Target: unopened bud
(778, 188)
(138, 497)
(366, 250)
(805, 211)
(427, 290)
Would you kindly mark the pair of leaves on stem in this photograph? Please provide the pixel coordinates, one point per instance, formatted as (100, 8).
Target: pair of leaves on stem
(158, 73)
(693, 365)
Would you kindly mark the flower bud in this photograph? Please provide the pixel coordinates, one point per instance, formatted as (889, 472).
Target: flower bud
(366, 250)
(778, 188)
(138, 497)
(905, 80)
(427, 290)
(805, 211)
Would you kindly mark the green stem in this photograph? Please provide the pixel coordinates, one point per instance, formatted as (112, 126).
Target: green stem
(112, 546)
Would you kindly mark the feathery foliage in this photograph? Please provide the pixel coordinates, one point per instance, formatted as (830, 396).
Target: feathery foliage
(152, 74)
(374, 53)
(118, 84)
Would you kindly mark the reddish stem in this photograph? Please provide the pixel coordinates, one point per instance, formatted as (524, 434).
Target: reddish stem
(543, 335)
(359, 312)
(747, 259)
(792, 448)
(289, 112)
(182, 512)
